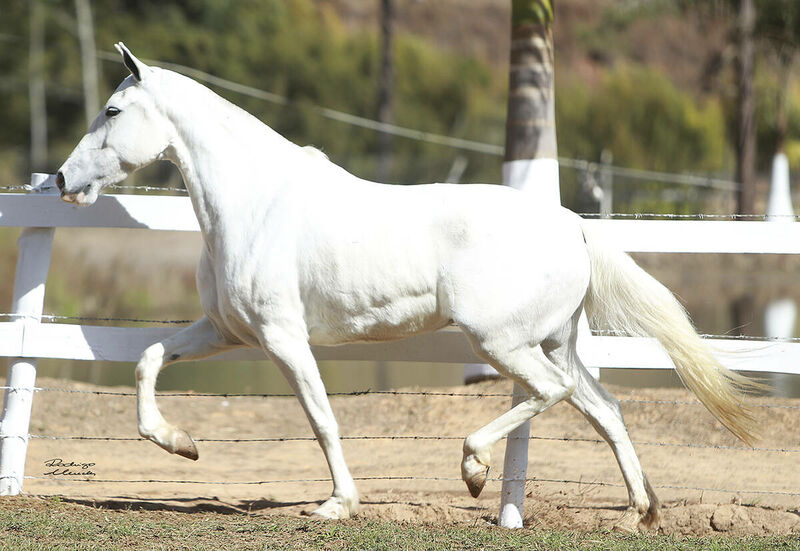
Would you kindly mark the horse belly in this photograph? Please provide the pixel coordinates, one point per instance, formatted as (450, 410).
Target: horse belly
(373, 309)
(394, 320)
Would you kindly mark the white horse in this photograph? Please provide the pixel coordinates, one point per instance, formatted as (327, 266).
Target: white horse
(299, 252)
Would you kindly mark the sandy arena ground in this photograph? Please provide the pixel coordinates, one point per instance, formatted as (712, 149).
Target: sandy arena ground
(685, 478)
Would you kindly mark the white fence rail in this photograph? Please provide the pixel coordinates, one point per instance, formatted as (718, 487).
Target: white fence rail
(25, 339)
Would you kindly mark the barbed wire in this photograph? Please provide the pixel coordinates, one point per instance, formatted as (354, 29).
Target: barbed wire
(724, 337)
(697, 216)
(407, 478)
(367, 392)
(595, 332)
(30, 188)
(412, 437)
(589, 215)
(56, 318)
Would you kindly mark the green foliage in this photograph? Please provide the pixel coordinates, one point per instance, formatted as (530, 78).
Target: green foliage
(778, 24)
(538, 12)
(643, 119)
(638, 115)
(301, 49)
(298, 49)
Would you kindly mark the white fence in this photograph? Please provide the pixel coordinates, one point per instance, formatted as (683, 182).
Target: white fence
(25, 338)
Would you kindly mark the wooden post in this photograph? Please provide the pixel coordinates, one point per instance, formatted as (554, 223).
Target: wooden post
(606, 183)
(33, 263)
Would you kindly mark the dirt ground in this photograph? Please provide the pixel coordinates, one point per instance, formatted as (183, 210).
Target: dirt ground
(762, 487)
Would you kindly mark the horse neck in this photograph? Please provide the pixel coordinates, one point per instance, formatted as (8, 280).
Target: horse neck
(224, 155)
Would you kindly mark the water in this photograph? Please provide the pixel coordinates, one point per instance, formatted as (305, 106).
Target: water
(260, 377)
(265, 378)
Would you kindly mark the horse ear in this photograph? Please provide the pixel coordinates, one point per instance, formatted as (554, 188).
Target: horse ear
(136, 67)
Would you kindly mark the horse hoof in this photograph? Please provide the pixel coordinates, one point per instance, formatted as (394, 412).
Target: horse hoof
(629, 522)
(184, 446)
(474, 473)
(334, 508)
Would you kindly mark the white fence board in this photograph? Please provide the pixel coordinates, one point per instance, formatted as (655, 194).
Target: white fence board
(176, 214)
(110, 211)
(125, 344)
(696, 236)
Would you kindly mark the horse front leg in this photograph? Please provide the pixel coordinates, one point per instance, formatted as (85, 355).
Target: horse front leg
(197, 341)
(293, 356)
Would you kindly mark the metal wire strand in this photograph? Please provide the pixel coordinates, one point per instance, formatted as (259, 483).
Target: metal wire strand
(367, 392)
(417, 437)
(407, 478)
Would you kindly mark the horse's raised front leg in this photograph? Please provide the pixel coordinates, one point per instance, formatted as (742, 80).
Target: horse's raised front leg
(293, 356)
(545, 384)
(197, 341)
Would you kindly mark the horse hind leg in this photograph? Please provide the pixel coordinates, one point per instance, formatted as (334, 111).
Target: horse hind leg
(604, 413)
(545, 384)
(197, 341)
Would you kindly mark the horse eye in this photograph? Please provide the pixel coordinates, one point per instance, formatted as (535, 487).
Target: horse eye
(112, 112)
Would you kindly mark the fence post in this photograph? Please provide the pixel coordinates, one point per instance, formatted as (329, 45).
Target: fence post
(539, 179)
(606, 183)
(780, 315)
(33, 263)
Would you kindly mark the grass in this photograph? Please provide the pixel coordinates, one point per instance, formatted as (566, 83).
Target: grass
(29, 524)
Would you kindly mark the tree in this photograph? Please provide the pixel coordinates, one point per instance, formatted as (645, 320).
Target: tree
(530, 124)
(746, 134)
(777, 27)
(91, 99)
(36, 86)
(385, 84)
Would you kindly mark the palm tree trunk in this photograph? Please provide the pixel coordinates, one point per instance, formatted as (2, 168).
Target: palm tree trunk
(385, 85)
(530, 124)
(746, 143)
(91, 96)
(36, 87)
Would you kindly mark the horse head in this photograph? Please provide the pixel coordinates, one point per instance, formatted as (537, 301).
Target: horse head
(129, 133)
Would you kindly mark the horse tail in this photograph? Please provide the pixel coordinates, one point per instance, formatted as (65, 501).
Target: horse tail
(625, 298)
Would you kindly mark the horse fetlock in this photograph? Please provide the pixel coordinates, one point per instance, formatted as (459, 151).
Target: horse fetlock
(474, 472)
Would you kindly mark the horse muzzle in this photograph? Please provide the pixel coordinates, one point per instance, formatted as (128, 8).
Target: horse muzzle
(81, 198)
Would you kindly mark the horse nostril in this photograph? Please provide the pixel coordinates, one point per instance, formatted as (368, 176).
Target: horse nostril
(60, 180)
